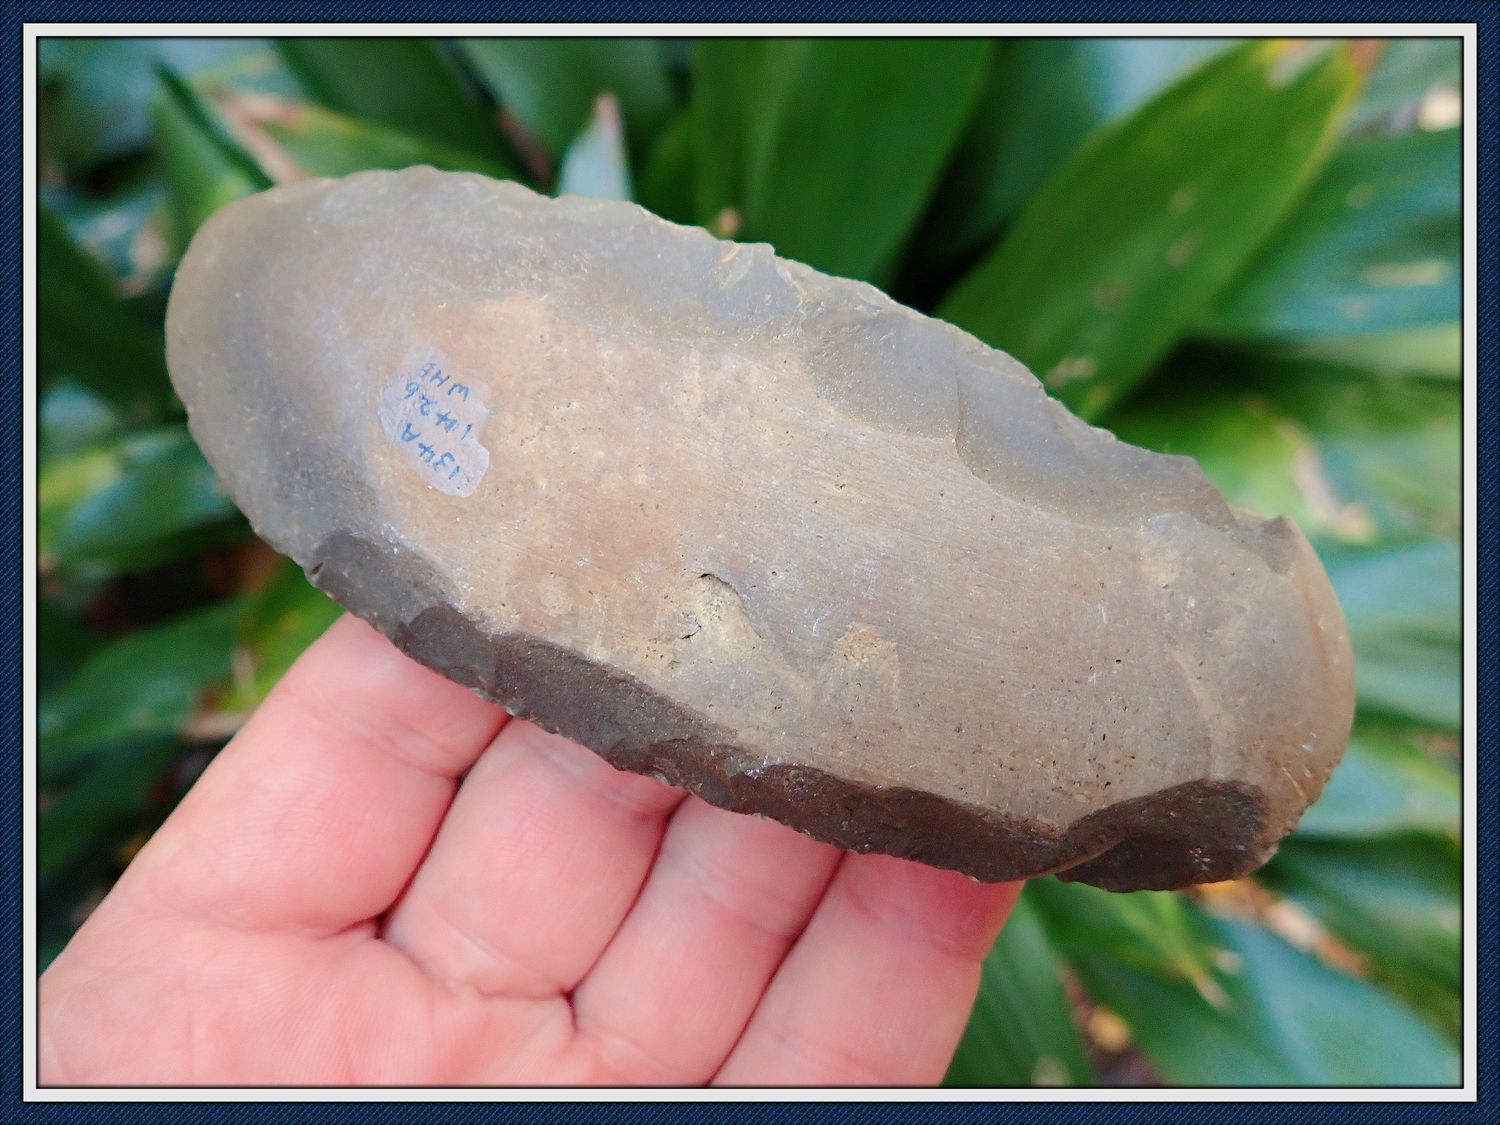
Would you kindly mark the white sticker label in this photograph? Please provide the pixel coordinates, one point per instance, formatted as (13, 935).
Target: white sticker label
(433, 417)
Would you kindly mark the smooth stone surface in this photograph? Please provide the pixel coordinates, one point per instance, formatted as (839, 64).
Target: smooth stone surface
(759, 532)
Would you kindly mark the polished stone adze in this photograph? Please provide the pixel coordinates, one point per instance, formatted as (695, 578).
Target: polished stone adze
(761, 533)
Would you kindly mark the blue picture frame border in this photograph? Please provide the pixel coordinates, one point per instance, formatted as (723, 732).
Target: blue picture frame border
(14, 14)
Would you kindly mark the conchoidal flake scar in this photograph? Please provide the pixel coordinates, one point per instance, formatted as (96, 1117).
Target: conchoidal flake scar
(759, 532)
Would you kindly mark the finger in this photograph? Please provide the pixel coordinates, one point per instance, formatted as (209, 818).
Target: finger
(317, 812)
(879, 986)
(539, 859)
(725, 900)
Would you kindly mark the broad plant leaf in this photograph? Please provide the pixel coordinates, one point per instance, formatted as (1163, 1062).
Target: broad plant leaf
(726, 75)
(1386, 785)
(1406, 70)
(141, 492)
(204, 166)
(1253, 1011)
(840, 188)
(1021, 1032)
(1126, 244)
(85, 331)
(322, 142)
(112, 792)
(1154, 931)
(96, 92)
(1348, 455)
(1281, 1018)
(71, 417)
(1434, 352)
(64, 642)
(63, 483)
(406, 84)
(142, 687)
(279, 623)
(551, 85)
(595, 164)
(119, 227)
(1041, 99)
(1403, 604)
(1374, 246)
(1397, 900)
(1392, 445)
(666, 180)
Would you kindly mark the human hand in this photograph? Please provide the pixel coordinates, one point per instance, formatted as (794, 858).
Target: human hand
(381, 880)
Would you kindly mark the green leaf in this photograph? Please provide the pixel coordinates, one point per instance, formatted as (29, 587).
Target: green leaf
(159, 486)
(1406, 70)
(1123, 247)
(1021, 1032)
(666, 182)
(1278, 1017)
(839, 187)
(70, 418)
(1403, 607)
(725, 78)
(1348, 455)
(551, 85)
(110, 793)
(63, 642)
(595, 164)
(321, 142)
(205, 167)
(96, 92)
(1374, 246)
(1386, 785)
(140, 688)
(1245, 444)
(842, 188)
(125, 501)
(406, 84)
(1399, 901)
(281, 621)
(1041, 99)
(63, 483)
(1434, 352)
(119, 228)
(84, 331)
(1153, 931)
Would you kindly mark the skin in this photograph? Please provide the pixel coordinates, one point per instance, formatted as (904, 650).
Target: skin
(384, 881)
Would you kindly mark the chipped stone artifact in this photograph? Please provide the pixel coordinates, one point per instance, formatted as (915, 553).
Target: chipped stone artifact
(759, 532)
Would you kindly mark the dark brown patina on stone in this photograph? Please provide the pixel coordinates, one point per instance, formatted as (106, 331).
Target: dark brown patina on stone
(761, 533)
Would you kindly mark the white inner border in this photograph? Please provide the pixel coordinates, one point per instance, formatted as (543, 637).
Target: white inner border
(33, 31)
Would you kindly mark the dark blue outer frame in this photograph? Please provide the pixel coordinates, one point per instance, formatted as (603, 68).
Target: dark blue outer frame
(15, 13)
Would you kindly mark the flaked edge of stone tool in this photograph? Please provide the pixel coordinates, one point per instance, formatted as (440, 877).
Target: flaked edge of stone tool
(637, 729)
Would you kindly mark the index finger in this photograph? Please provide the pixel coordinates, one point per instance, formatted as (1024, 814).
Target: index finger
(316, 814)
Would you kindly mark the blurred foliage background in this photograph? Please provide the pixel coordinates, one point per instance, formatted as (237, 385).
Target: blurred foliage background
(1246, 252)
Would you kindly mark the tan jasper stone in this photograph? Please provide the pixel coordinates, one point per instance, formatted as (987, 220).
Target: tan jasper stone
(762, 533)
